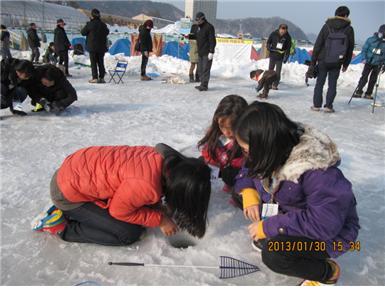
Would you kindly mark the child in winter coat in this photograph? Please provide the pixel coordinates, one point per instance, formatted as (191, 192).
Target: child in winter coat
(374, 57)
(109, 194)
(49, 55)
(265, 79)
(308, 208)
(218, 146)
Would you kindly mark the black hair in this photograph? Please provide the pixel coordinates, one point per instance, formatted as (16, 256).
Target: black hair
(25, 66)
(3, 26)
(51, 44)
(342, 11)
(187, 188)
(231, 106)
(271, 136)
(253, 73)
(51, 73)
(32, 24)
(283, 26)
(95, 13)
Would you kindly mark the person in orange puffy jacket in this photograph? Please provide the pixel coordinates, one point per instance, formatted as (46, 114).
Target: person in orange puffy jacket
(109, 194)
(218, 146)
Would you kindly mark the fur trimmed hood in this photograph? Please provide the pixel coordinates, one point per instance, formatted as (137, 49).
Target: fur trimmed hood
(315, 151)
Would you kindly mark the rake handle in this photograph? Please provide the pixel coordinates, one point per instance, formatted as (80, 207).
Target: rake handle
(125, 264)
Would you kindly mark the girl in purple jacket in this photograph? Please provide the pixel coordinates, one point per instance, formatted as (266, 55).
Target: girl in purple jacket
(307, 208)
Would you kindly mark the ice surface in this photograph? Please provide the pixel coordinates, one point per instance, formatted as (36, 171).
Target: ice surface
(145, 113)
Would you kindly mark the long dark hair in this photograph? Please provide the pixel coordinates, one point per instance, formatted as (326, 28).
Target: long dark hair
(187, 187)
(231, 106)
(271, 136)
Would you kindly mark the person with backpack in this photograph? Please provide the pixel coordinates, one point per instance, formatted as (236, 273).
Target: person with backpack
(5, 43)
(62, 45)
(145, 47)
(96, 32)
(332, 50)
(34, 42)
(373, 54)
(278, 44)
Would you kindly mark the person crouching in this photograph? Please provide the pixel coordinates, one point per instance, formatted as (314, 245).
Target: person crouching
(265, 79)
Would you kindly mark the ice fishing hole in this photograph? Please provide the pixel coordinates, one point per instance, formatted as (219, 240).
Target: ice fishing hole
(182, 240)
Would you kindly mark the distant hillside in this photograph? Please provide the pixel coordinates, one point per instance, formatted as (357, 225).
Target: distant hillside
(257, 27)
(132, 8)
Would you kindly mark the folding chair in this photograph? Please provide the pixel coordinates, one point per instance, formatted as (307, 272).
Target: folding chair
(119, 71)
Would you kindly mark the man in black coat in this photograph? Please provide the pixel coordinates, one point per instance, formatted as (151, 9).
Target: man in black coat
(330, 61)
(278, 44)
(206, 43)
(145, 46)
(96, 32)
(34, 42)
(62, 45)
(55, 90)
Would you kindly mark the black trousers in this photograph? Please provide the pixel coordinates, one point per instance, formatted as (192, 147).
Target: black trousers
(143, 65)
(332, 73)
(373, 71)
(92, 224)
(277, 65)
(294, 260)
(204, 68)
(35, 54)
(63, 60)
(8, 97)
(97, 63)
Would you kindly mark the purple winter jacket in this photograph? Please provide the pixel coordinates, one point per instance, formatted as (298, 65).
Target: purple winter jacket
(315, 199)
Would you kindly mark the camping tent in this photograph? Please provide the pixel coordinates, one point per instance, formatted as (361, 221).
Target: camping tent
(357, 59)
(300, 56)
(176, 49)
(122, 45)
(79, 40)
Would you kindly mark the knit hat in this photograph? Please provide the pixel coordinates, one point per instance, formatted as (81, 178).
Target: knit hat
(382, 29)
(149, 23)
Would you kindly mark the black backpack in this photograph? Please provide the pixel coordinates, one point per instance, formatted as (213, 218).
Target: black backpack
(336, 45)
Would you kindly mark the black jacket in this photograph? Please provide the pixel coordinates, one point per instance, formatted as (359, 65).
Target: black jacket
(193, 32)
(279, 46)
(206, 39)
(62, 92)
(336, 23)
(145, 39)
(96, 32)
(60, 40)
(4, 35)
(33, 38)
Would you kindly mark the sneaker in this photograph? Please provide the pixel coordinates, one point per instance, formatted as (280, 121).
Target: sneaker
(258, 245)
(101, 80)
(93, 80)
(368, 96)
(145, 78)
(357, 94)
(201, 88)
(274, 87)
(262, 95)
(51, 221)
(313, 108)
(331, 282)
(329, 110)
(191, 76)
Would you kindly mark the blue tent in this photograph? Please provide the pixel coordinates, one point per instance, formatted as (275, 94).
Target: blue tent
(121, 46)
(79, 40)
(357, 59)
(176, 49)
(300, 56)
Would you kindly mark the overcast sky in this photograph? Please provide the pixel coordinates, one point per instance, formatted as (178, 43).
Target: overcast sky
(309, 15)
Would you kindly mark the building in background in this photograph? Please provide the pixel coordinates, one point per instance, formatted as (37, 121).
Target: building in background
(208, 7)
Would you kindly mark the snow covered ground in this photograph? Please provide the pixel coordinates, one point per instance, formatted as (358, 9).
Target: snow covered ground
(145, 113)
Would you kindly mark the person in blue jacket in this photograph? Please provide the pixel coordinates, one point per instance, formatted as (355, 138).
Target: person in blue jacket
(373, 54)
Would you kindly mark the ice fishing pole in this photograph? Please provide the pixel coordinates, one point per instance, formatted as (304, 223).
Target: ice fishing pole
(229, 267)
(382, 69)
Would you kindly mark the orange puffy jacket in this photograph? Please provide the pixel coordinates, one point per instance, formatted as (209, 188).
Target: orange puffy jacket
(124, 179)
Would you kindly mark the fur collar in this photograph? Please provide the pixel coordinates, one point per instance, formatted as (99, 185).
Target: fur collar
(315, 151)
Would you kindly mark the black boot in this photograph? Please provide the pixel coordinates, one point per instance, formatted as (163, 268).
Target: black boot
(197, 79)
(191, 77)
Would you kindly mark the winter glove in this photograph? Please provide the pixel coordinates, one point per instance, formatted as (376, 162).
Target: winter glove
(311, 71)
(228, 175)
(210, 56)
(286, 58)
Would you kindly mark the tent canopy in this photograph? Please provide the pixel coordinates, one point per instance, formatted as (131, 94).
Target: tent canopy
(121, 46)
(79, 40)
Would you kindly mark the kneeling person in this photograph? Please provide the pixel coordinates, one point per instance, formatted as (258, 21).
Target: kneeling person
(265, 79)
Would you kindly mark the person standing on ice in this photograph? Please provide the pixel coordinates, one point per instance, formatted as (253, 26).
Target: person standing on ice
(34, 42)
(373, 54)
(206, 47)
(96, 32)
(305, 209)
(332, 50)
(5, 43)
(62, 45)
(193, 53)
(145, 46)
(109, 194)
(278, 44)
